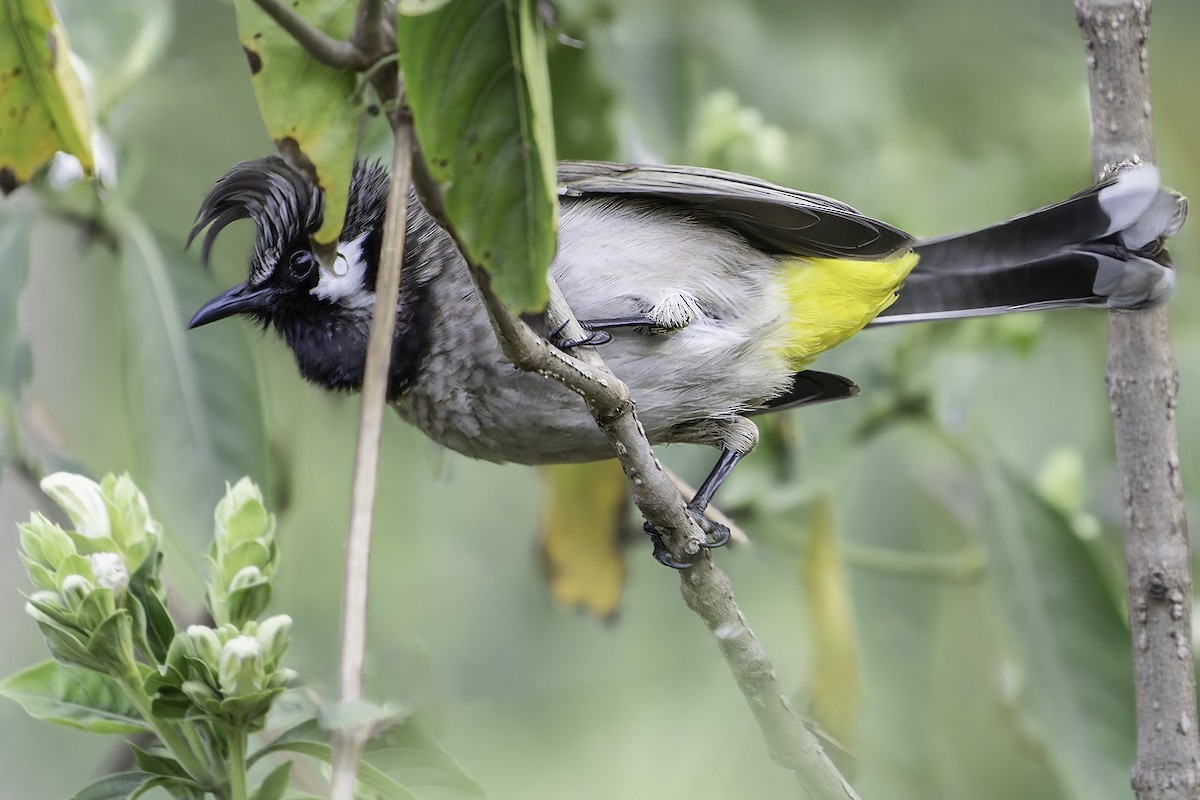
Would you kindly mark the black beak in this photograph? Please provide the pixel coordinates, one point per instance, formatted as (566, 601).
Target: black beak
(240, 299)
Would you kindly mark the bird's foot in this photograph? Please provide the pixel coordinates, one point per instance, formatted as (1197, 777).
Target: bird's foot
(593, 338)
(717, 535)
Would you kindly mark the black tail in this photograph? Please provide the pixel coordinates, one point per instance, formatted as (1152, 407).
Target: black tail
(1104, 246)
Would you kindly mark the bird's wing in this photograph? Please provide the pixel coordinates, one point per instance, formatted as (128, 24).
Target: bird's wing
(769, 216)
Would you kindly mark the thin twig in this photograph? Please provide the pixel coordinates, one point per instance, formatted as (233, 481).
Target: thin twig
(352, 652)
(323, 47)
(1142, 386)
(368, 34)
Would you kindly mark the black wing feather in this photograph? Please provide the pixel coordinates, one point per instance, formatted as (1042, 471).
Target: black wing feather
(771, 217)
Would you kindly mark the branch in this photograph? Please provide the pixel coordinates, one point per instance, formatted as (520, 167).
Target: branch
(323, 47)
(705, 588)
(370, 34)
(1142, 386)
(348, 742)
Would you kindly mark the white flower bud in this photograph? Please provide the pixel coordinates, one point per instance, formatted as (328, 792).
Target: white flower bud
(110, 571)
(273, 635)
(80, 497)
(205, 643)
(75, 589)
(241, 669)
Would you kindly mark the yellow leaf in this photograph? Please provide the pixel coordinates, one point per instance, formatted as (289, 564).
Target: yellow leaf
(42, 106)
(310, 110)
(582, 514)
(835, 688)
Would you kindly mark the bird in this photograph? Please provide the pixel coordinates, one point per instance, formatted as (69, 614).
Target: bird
(710, 294)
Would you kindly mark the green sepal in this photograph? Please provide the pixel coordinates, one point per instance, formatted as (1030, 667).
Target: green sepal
(31, 543)
(159, 628)
(249, 709)
(39, 576)
(57, 546)
(112, 643)
(86, 545)
(247, 604)
(69, 649)
(73, 565)
(95, 609)
(248, 523)
(247, 554)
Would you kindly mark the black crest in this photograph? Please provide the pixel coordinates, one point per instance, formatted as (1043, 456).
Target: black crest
(282, 204)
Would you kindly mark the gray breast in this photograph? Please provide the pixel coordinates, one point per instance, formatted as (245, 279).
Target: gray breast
(613, 261)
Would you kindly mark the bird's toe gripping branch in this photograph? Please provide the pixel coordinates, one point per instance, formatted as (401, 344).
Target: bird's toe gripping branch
(717, 535)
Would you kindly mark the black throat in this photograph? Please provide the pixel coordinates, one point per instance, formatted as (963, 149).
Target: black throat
(330, 342)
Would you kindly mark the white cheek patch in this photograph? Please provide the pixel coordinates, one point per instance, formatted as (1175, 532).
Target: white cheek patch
(344, 285)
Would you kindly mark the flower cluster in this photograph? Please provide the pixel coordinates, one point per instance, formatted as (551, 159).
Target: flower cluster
(230, 673)
(93, 583)
(242, 559)
(99, 600)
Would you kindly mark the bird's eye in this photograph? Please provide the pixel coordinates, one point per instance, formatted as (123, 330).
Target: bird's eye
(301, 264)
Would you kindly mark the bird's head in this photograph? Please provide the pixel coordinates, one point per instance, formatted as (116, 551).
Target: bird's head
(286, 286)
(323, 313)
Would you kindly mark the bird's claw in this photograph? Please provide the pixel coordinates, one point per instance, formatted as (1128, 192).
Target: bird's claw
(661, 554)
(716, 533)
(592, 339)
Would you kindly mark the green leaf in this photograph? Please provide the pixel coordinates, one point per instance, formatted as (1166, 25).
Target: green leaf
(275, 785)
(38, 88)
(121, 786)
(415, 8)
(396, 760)
(478, 87)
(408, 753)
(121, 44)
(156, 764)
(310, 739)
(310, 110)
(194, 397)
(1077, 697)
(132, 785)
(75, 697)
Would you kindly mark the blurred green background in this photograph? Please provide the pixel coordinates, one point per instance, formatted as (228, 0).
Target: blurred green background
(978, 646)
